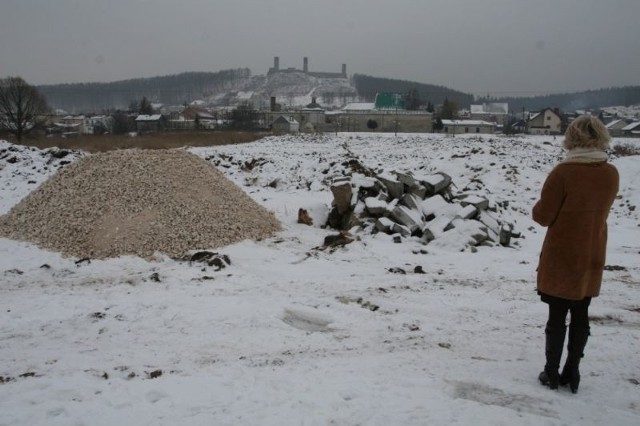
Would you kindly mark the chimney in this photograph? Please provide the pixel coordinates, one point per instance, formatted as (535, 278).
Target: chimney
(273, 103)
(344, 70)
(305, 64)
(276, 63)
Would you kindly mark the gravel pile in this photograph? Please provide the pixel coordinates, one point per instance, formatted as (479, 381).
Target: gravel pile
(137, 202)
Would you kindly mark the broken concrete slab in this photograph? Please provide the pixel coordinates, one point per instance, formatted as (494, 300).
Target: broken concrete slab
(393, 185)
(384, 224)
(430, 206)
(405, 216)
(419, 191)
(480, 203)
(437, 226)
(375, 207)
(399, 229)
(505, 234)
(467, 212)
(436, 183)
(463, 235)
(412, 201)
(342, 195)
(405, 178)
(473, 228)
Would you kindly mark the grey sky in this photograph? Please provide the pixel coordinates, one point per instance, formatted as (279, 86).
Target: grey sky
(496, 47)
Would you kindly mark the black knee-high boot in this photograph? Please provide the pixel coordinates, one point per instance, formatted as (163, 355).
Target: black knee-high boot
(578, 337)
(553, 351)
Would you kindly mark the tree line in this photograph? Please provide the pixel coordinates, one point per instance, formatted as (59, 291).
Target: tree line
(588, 100)
(172, 90)
(418, 94)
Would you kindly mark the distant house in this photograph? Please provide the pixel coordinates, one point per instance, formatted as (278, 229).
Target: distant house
(494, 112)
(615, 127)
(71, 120)
(150, 123)
(97, 125)
(62, 129)
(632, 129)
(458, 127)
(285, 124)
(519, 126)
(198, 118)
(310, 118)
(545, 122)
(68, 126)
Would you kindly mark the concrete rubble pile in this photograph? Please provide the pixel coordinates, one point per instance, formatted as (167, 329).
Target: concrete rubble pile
(422, 206)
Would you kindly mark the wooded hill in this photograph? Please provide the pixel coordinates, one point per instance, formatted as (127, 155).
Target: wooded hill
(186, 87)
(590, 99)
(170, 90)
(368, 86)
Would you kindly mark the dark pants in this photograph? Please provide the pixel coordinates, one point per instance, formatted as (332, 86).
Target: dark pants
(558, 309)
(555, 335)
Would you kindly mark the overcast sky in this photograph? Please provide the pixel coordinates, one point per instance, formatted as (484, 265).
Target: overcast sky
(497, 47)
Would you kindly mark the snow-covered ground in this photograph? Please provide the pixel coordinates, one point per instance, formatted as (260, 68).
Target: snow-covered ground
(289, 334)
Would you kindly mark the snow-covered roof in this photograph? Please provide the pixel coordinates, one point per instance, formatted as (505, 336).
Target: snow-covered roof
(613, 123)
(287, 118)
(359, 106)
(467, 123)
(631, 126)
(145, 117)
(491, 108)
(205, 115)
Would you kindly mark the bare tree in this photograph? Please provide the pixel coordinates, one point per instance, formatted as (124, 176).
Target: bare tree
(21, 106)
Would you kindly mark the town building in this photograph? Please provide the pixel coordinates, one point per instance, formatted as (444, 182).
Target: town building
(386, 114)
(458, 127)
(494, 112)
(632, 129)
(545, 122)
(150, 123)
(285, 124)
(615, 127)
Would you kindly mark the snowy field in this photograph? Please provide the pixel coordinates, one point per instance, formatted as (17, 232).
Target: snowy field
(289, 334)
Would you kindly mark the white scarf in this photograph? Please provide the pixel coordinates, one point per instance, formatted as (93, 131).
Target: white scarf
(585, 155)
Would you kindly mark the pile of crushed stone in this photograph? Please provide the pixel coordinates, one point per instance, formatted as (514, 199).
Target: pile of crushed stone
(137, 202)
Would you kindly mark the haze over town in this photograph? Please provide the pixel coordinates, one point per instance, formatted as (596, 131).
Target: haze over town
(496, 47)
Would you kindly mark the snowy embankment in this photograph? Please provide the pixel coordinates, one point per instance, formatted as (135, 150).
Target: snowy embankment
(292, 334)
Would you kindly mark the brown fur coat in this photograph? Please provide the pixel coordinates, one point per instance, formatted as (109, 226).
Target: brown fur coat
(574, 205)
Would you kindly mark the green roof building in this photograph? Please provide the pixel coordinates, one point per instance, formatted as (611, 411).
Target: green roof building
(388, 100)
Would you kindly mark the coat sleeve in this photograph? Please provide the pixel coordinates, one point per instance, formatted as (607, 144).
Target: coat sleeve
(552, 197)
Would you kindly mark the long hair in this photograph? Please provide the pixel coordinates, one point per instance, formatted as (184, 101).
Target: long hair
(586, 131)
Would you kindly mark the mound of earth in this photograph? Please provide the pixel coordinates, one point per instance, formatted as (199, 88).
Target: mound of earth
(137, 202)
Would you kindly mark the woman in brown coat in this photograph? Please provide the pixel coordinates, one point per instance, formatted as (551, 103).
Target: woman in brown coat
(574, 204)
